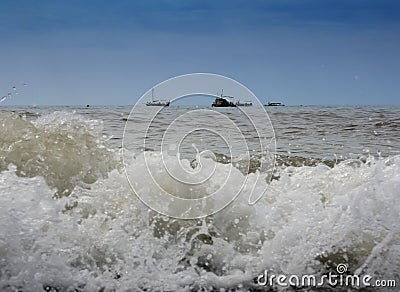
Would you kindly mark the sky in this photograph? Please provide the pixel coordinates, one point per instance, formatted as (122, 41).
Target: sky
(112, 52)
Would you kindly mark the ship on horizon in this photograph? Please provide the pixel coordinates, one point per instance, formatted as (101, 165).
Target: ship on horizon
(157, 102)
(274, 104)
(222, 101)
(245, 103)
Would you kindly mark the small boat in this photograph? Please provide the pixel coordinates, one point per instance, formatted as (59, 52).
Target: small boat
(157, 102)
(274, 104)
(246, 103)
(222, 101)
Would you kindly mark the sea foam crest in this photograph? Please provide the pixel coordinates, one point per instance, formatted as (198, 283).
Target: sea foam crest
(63, 147)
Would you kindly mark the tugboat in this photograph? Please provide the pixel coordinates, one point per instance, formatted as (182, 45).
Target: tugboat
(156, 102)
(222, 101)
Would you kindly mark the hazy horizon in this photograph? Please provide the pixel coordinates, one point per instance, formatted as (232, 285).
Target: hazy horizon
(298, 53)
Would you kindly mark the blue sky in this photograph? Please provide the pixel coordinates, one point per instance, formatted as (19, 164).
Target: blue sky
(112, 52)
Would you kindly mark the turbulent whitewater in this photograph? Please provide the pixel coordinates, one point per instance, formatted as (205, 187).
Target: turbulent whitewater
(70, 221)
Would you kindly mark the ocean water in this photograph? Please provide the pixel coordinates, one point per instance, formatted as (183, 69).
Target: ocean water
(70, 219)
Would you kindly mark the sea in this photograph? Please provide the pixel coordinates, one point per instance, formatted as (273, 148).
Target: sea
(81, 207)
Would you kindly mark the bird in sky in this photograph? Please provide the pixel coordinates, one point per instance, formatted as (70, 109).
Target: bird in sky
(9, 95)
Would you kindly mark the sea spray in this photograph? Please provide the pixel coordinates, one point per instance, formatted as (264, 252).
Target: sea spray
(63, 147)
(100, 236)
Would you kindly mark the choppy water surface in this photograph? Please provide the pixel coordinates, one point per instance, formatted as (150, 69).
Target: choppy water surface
(70, 221)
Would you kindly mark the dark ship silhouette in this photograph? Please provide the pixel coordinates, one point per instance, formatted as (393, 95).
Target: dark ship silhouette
(223, 102)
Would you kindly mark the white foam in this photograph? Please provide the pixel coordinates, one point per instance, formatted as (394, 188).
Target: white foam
(103, 237)
(310, 211)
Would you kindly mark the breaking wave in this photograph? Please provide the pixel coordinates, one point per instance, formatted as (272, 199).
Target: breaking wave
(71, 222)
